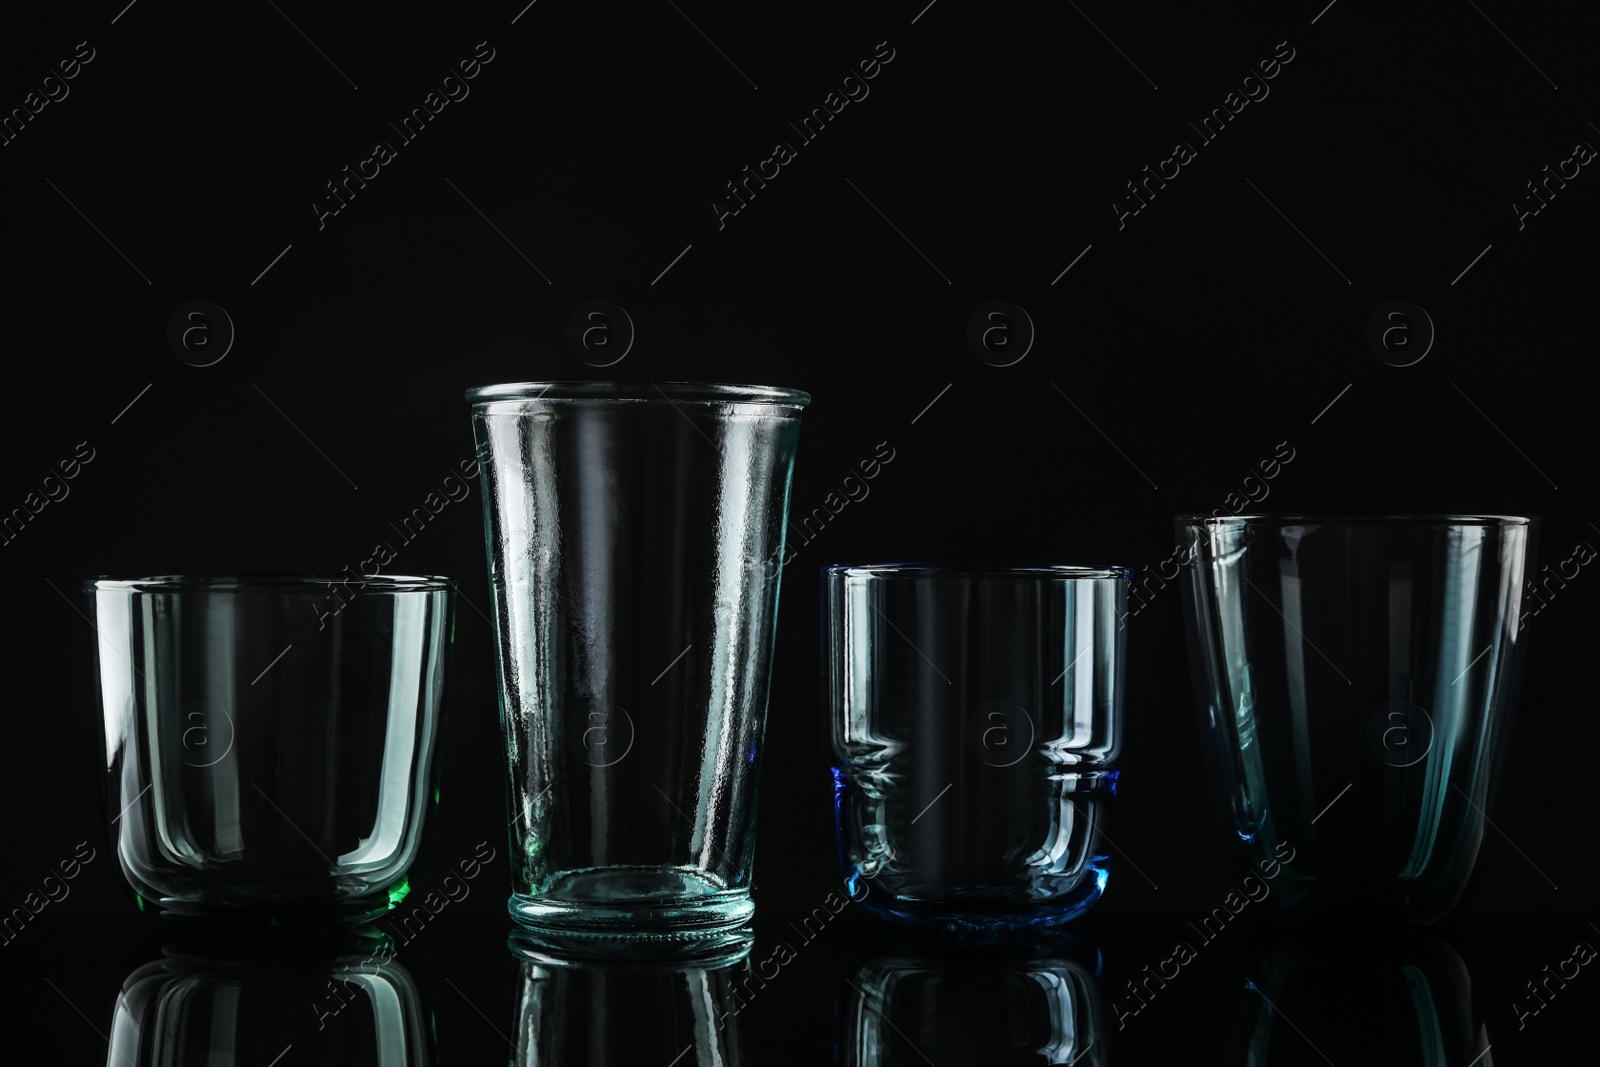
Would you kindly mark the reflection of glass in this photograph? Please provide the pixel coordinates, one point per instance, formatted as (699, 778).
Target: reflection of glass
(635, 534)
(950, 1005)
(689, 1012)
(1383, 1000)
(249, 1001)
(1356, 680)
(976, 720)
(269, 742)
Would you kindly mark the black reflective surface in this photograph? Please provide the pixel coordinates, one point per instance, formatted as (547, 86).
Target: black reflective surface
(1111, 990)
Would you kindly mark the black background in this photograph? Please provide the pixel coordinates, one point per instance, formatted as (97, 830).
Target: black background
(1191, 341)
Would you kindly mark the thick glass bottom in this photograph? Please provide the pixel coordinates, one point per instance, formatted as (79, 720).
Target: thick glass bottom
(977, 916)
(268, 907)
(631, 904)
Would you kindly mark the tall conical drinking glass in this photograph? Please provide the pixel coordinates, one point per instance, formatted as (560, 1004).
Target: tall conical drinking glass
(635, 534)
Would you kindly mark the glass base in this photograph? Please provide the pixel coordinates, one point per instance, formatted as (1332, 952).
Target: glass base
(697, 948)
(262, 911)
(976, 918)
(629, 904)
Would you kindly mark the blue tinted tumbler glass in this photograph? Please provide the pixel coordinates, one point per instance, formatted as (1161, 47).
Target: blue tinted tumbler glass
(1355, 680)
(635, 534)
(270, 743)
(976, 719)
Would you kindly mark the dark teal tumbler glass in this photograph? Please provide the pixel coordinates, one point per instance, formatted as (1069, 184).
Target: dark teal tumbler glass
(1356, 680)
(976, 718)
(269, 742)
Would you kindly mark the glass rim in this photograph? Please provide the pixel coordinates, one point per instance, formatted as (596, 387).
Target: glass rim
(1064, 572)
(239, 583)
(640, 392)
(1439, 519)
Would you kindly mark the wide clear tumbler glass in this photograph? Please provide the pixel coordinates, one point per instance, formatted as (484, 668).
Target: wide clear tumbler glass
(635, 534)
(1355, 679)
(976, 722)
(269, 742)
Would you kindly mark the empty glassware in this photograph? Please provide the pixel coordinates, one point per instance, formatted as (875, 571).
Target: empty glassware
(269, 742)
(1356, 679)
(976, 718)
(634, 534)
